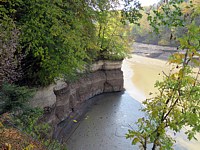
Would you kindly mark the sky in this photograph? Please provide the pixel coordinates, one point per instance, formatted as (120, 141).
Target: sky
(148, 2)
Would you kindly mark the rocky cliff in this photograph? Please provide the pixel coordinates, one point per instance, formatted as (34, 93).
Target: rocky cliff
(63, 99)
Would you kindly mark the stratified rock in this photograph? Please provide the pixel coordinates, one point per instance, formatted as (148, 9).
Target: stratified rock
(114, 81)
(62, 99)
(112, 65)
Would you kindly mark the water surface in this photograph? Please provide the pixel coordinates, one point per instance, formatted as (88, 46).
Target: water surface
(106, 123)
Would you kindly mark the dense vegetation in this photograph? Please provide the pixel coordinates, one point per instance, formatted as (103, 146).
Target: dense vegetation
(20, 124)
(42, 41)
(168, 35)
(45, 40)
(175, 108)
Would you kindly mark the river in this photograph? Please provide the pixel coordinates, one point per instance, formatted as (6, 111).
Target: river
(108, 120)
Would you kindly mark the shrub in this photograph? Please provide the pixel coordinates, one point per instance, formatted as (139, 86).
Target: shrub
(14, 97)
(29, 122)
(10, 56)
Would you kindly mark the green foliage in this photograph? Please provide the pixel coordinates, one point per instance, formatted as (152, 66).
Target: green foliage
(13, 97)
(59, 38)
(14, 100)
(9, 43)
(113, 38)
(168, 14)
(29, 122)
(167, 22)
(177, 103)
(144, 32)
(54, 145)
(55, 39)
(131, 11)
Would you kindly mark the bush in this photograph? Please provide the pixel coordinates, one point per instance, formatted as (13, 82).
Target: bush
(29, 122)
(163, 42)
(13, 97)
(10, 56)
(55, 39)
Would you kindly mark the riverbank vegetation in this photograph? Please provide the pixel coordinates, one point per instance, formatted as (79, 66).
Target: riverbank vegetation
(168, 34)
(20, 124)
(42, 41)
(176, 107)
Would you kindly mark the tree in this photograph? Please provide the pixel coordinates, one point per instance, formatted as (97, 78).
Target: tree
(9, 44)
(177, 103)
(58, 38)
(113, 39)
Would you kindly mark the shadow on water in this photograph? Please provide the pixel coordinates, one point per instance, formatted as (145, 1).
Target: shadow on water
(106, 123)
(110, 116)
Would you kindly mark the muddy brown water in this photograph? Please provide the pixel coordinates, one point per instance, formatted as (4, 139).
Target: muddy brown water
(106, 123)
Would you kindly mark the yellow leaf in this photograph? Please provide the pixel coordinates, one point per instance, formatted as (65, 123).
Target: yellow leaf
(29, 147)
(8, 146)
(75, 121)
(1, 125)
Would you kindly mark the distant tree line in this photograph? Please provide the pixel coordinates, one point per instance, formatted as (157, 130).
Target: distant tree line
(168, 36)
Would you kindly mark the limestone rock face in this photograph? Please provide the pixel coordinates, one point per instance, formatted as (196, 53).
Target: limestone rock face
(61, 99)
(45, 97)
(112, 65)
(96, 66)
(114, 81)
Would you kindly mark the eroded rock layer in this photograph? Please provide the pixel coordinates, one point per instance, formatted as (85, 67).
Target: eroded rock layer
(63, 99)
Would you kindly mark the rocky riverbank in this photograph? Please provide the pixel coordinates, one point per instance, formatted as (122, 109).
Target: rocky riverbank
(153, 51)
(66, 102)
(105, 124)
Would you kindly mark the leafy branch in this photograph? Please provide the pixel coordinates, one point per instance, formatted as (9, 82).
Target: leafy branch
(177, 104)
